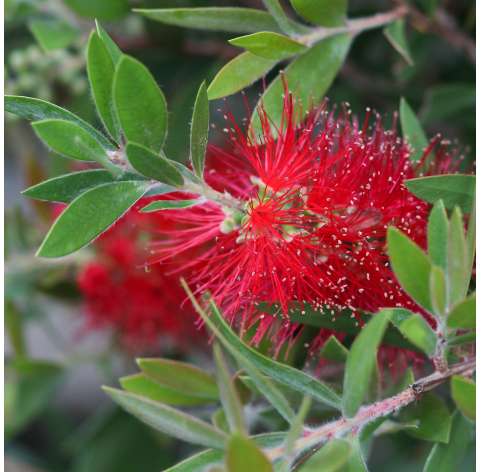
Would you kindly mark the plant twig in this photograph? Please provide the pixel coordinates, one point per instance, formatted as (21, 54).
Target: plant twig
(366, 414)
(354, 26)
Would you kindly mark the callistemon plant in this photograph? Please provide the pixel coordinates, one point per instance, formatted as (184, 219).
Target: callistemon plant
(322, 219)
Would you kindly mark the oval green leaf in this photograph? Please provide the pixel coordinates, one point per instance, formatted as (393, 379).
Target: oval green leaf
(153, 165)
(243, 70)
(34, 109)
(229, 19)
(70, 140)
(410, 265)
(100, 69)
(140, 104)
(463, 391)
(453, 189)
(243, 454)
(88, 216)
(438, 228)
(269, 45)
(322, 12)
(412, 130)
(438, 291)
(199, 131)
(330, 458)
(463, 315)
(171, 205)
(396, 35)
(114, 51)
(53, 34)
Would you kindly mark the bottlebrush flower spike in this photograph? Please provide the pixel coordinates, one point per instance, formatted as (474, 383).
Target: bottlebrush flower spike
(315, 202)
(139, 303)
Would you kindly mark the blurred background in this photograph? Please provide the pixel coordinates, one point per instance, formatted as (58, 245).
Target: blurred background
(79, 322)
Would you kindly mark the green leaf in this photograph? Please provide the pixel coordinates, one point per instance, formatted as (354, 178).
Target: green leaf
(463, 315)
(199, 131)
(395, 34)
(100, 69)
(171, 205)
(410, 265)
(463, 391)
(281, 373)
(322, 12)
(219, 420)
(438, 291)
(141, 384)
(438, 228)
(153, 165)
(415, 328)
(34, 109)
(228, 394)
(114, 51)
(70, 140)
(453, 189)
(412, 131)
(458, 272)
(330, 458)
(89, 215)
(356, 461)
(53, 34)
(244, 455)
(310, 75)
(141, 109)
(180, 376)
(67, 187)
(14, 322)
(169, 420)
(269, 45)
(334, 350)
(243, 70)
(200, 462)
(361, 362)
(432, 417)
(285, 24)
(230, 19)
(104, 10)
(458, 340)
(448, 457)
(471, 236)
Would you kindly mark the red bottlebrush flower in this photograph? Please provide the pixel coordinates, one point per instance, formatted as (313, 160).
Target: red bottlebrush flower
(311, 206)
(140, 303)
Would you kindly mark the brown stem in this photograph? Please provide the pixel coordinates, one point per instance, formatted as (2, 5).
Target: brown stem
(366, 414)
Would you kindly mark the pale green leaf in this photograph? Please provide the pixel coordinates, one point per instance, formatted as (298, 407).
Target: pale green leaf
(417, 330)
(141, 384)
(228, 394)
(285, 24)
(199, 131)
(229, 19)
(102, 10)
(89, 215)
(171, 205)
(361, 362)
(334, 350)
(34, 109)
(243, 70)
(463, 315)
(169, 420)
(438, 228)
(70, 140)
(269, 45)
(100, 69)
(463, 391)
(140, 104)
(458, 272)
(180, 376)
(453, 189)
(438, 291)
(244, 455)
(114, 51)
(152, 165)
(410, 265)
